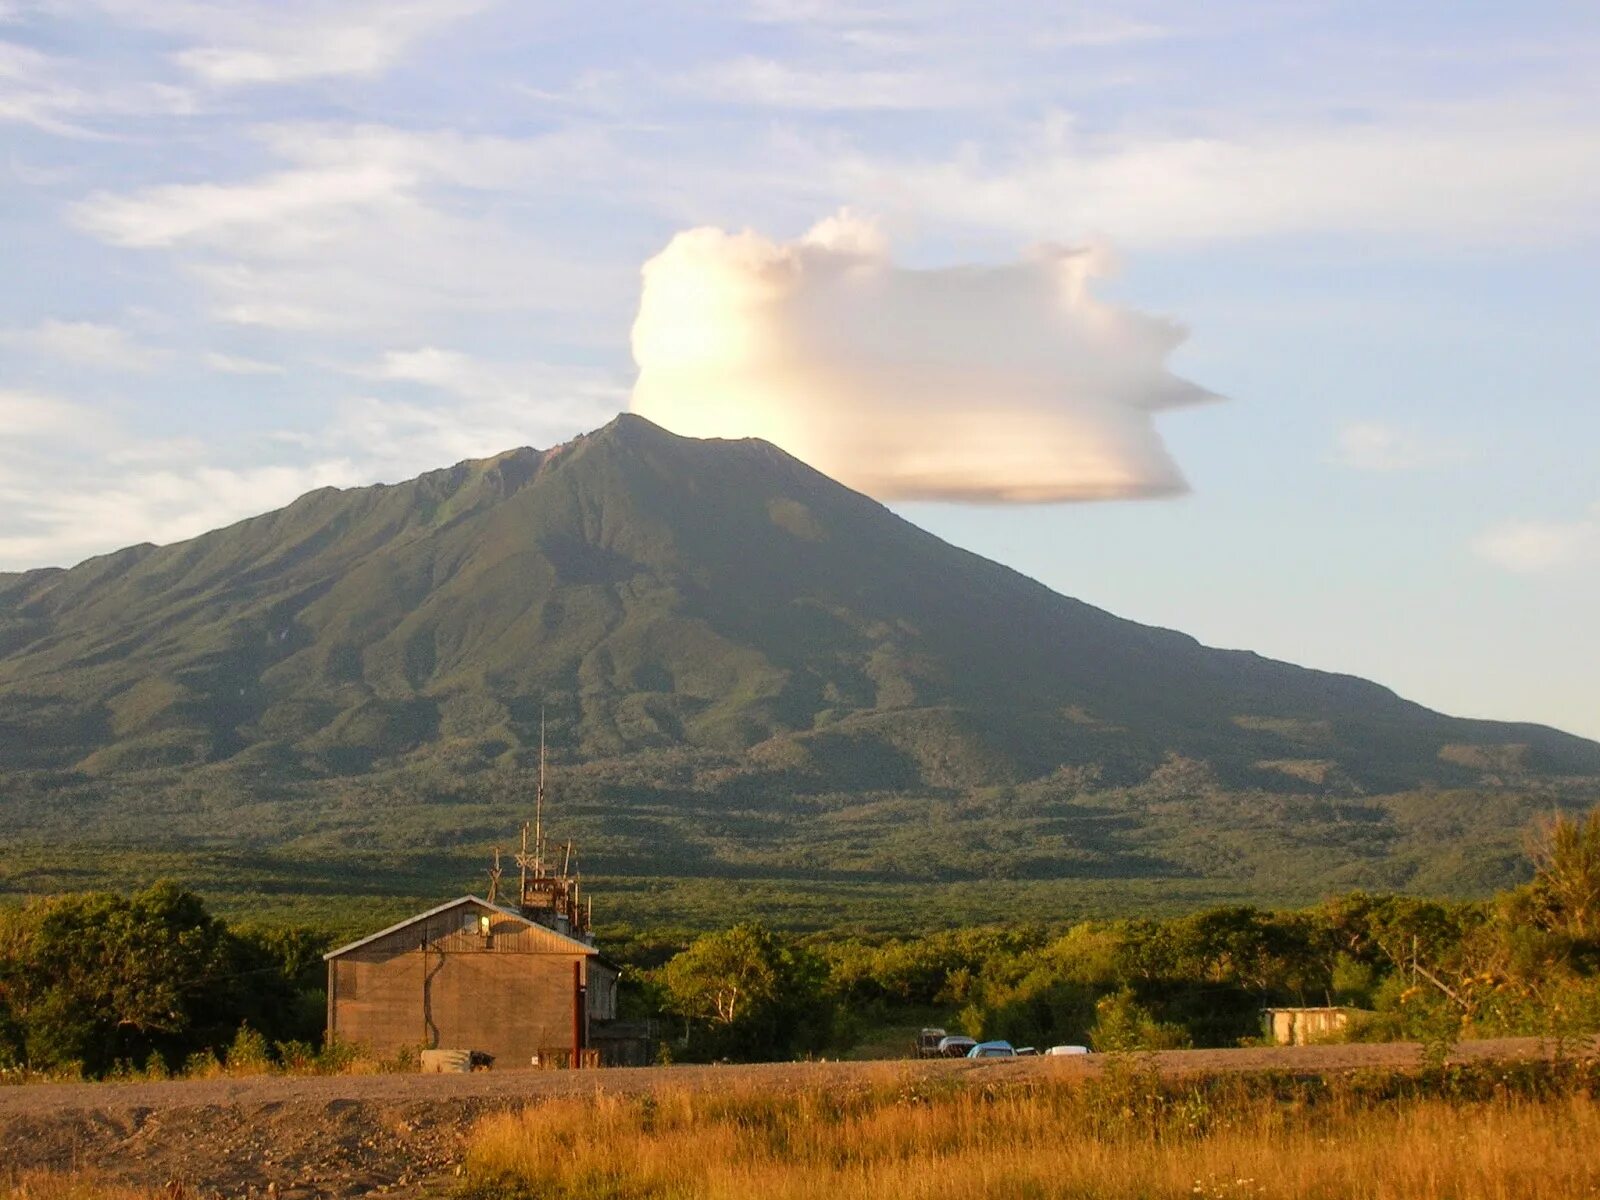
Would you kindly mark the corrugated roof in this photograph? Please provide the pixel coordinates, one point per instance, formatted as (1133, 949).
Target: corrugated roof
(449, 904)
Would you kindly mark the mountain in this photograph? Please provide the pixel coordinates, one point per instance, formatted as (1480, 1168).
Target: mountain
(733, 653)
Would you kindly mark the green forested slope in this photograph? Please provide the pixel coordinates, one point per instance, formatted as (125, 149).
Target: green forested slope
(746, 668)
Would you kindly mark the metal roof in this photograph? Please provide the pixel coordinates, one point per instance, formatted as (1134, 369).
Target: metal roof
(449, 904)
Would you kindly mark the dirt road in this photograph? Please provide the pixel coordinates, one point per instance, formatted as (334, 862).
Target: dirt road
(345, 1136)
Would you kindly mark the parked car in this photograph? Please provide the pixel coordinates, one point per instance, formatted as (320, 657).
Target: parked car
(992, 1050)
(929, 1041)
(1062, 1051)
(955, 1046)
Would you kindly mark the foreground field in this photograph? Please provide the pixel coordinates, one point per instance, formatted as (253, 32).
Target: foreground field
(1003, 1123)
(1122, 1136)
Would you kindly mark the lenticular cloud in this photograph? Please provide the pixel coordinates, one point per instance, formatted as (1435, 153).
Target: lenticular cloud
(1008, 384)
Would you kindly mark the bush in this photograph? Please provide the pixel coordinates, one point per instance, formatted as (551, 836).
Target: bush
(202, 1064)
(297, 1058)
(248, 1053)
(1122, 1023)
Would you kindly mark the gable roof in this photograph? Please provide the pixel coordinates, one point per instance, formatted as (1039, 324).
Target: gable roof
(581, 947)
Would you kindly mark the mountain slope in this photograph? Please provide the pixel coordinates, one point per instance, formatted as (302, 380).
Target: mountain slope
(684, 611)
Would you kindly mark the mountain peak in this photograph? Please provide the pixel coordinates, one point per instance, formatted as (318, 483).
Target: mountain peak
(685, 612)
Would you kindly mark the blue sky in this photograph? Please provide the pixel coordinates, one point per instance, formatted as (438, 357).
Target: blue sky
(252, 249)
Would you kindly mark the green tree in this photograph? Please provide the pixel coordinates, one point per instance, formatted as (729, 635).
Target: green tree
(754, 995)
(1566, 873)
(1122, 1023)
(96, 979)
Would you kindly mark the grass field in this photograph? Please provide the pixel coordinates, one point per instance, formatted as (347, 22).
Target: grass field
(1497, 1132)
(1504, 1120)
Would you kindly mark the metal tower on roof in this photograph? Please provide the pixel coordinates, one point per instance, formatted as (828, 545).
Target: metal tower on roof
(551, 898)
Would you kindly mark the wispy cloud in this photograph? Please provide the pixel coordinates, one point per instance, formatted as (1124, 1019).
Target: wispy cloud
(252, 42)
(770, 83)
(85, 344)
(1104, 31)
(366, 224)
(74, 484)
(461, 406)
(63, 96)
(140, 502)
(218, 214)
(1515, 171)
(234, 364)
(25, 414)
(1531, 547)
(819, 12)
(78, 479)
(178, 451)
(1379, 446)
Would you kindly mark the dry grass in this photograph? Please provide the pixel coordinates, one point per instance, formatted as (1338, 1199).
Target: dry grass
(1119, 1138)
(71, 1185)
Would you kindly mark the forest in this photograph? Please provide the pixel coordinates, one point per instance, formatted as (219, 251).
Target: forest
(103, 985)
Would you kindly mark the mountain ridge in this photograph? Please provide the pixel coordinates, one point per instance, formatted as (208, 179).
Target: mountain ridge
(707, 624)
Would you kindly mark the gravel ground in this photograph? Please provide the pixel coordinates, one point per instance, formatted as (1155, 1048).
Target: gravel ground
(403, 1135)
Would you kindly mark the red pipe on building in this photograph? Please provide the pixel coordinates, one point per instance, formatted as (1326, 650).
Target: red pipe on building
(577, 1014)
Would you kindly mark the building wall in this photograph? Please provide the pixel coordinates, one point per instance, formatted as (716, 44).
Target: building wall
(601, 987)
(1301, 1026)
(440, 983)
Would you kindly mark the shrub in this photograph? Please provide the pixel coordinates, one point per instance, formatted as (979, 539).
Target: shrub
(248, 1053)
(1122, 1023)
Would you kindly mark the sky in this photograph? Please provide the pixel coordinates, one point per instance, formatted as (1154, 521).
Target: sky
(255, 248)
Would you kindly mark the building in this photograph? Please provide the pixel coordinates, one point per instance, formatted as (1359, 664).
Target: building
(1302, 1026)
(471, 975)
(524, 985)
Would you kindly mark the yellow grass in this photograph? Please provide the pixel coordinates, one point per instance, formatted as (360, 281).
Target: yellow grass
(70, 1185)
(1113, 1140)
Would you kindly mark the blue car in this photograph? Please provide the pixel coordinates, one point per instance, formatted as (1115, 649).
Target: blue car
(992, 1050)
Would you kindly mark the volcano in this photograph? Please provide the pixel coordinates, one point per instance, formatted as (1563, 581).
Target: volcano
(693, 618)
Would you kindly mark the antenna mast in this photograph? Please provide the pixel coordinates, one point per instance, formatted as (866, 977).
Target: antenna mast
(522, 861)
(538, 806)
(552, 899)
(494, 878)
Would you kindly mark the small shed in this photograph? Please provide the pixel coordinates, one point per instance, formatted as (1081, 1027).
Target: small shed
(1302, 1026)
(471, 975)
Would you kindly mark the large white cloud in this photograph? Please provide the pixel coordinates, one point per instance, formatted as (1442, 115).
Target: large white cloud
(999, 383)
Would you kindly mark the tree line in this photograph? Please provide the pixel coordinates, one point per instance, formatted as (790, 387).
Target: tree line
(1525, 961)
(99, 983)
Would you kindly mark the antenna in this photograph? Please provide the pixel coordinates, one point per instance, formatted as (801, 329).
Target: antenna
(522, 861)
(494, 878)
(538, 806)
